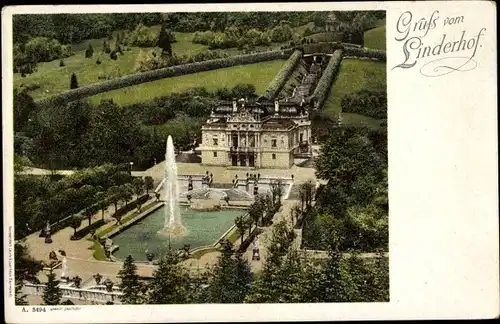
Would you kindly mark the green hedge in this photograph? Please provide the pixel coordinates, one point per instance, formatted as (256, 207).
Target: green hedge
(325, 82)
(366, 52)
(281, 78)
(178, 70)
(86, 230)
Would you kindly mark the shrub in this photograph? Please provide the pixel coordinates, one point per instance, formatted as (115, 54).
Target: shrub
(113, 55)
(43, 49)
(149, 76)
(73, 82)
(105, 47)
(98, 61)
(366, 52)
(326, 80)
(281, 78)
(143, 36)
(281, 33)
(366, 102)
(89, 52)
(61, 63)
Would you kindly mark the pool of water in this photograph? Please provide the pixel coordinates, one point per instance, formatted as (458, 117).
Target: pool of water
(204, 228)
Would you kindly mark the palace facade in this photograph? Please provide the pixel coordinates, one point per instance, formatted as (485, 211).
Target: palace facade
(255, 134)
(262, 133)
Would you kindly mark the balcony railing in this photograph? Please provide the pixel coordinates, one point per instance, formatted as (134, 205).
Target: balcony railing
(242, 149)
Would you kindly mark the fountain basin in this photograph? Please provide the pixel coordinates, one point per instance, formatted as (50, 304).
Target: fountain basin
(203, 228)
(205, 205)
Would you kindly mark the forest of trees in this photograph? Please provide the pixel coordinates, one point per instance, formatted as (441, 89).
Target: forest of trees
(92, 135)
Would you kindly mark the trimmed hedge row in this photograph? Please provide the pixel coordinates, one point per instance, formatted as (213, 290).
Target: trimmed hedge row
(86, 230)
(281, 78)
(325, 82)
(366, 52)
(131, 80)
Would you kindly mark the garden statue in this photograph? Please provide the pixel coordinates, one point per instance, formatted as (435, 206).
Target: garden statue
(109, 285)
(157, 195)
(106, 252)
(255, 190)
(190, 183)
(255, 249)
(150, 256)
(97, 278)
(77, 281)
(48, 233)
(188, 196)
(52, 256)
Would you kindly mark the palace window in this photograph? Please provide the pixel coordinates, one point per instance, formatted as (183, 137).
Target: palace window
(215, 154)
(274, 156)
(215, 141)
(273, 142)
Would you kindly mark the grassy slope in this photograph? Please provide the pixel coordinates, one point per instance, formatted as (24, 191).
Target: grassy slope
(54, 79)
(375, 38)
(355, 75)
(259, 74)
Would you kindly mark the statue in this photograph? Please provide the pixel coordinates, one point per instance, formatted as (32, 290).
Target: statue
(255, 249)
(65, 271)
(48, 238)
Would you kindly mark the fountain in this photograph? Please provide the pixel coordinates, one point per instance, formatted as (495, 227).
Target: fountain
(65, 270)
(173, 223)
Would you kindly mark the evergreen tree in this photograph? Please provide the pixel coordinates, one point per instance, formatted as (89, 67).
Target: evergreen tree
(89, 51)
(165, 40)
(74, 82)
(230, 278)
(332, 288)
(280, 279)
(170, 283)
(105, 47)
(130, 284)
(20, 298)
(52, 294)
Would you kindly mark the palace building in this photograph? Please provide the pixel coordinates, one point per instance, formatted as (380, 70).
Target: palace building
(261, 133)
(255, 134)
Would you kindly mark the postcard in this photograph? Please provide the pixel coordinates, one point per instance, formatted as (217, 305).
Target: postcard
(250, 162)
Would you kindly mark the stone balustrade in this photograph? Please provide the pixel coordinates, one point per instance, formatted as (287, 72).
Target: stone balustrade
(76, 293)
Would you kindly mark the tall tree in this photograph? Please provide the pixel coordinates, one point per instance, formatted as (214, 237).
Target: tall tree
(165, 40)
(113, 196)
(52, 294)
(170, 283)
(74, 82)
(138, 184)
(20, 298)
(230, 278)
(129, 282)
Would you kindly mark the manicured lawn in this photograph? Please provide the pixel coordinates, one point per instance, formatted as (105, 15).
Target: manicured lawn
(355, 75)
(53, 79)
(99, 252)
(259, 74)
(375, 38)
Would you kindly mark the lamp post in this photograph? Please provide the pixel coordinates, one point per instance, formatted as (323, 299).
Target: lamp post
(131, 164)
